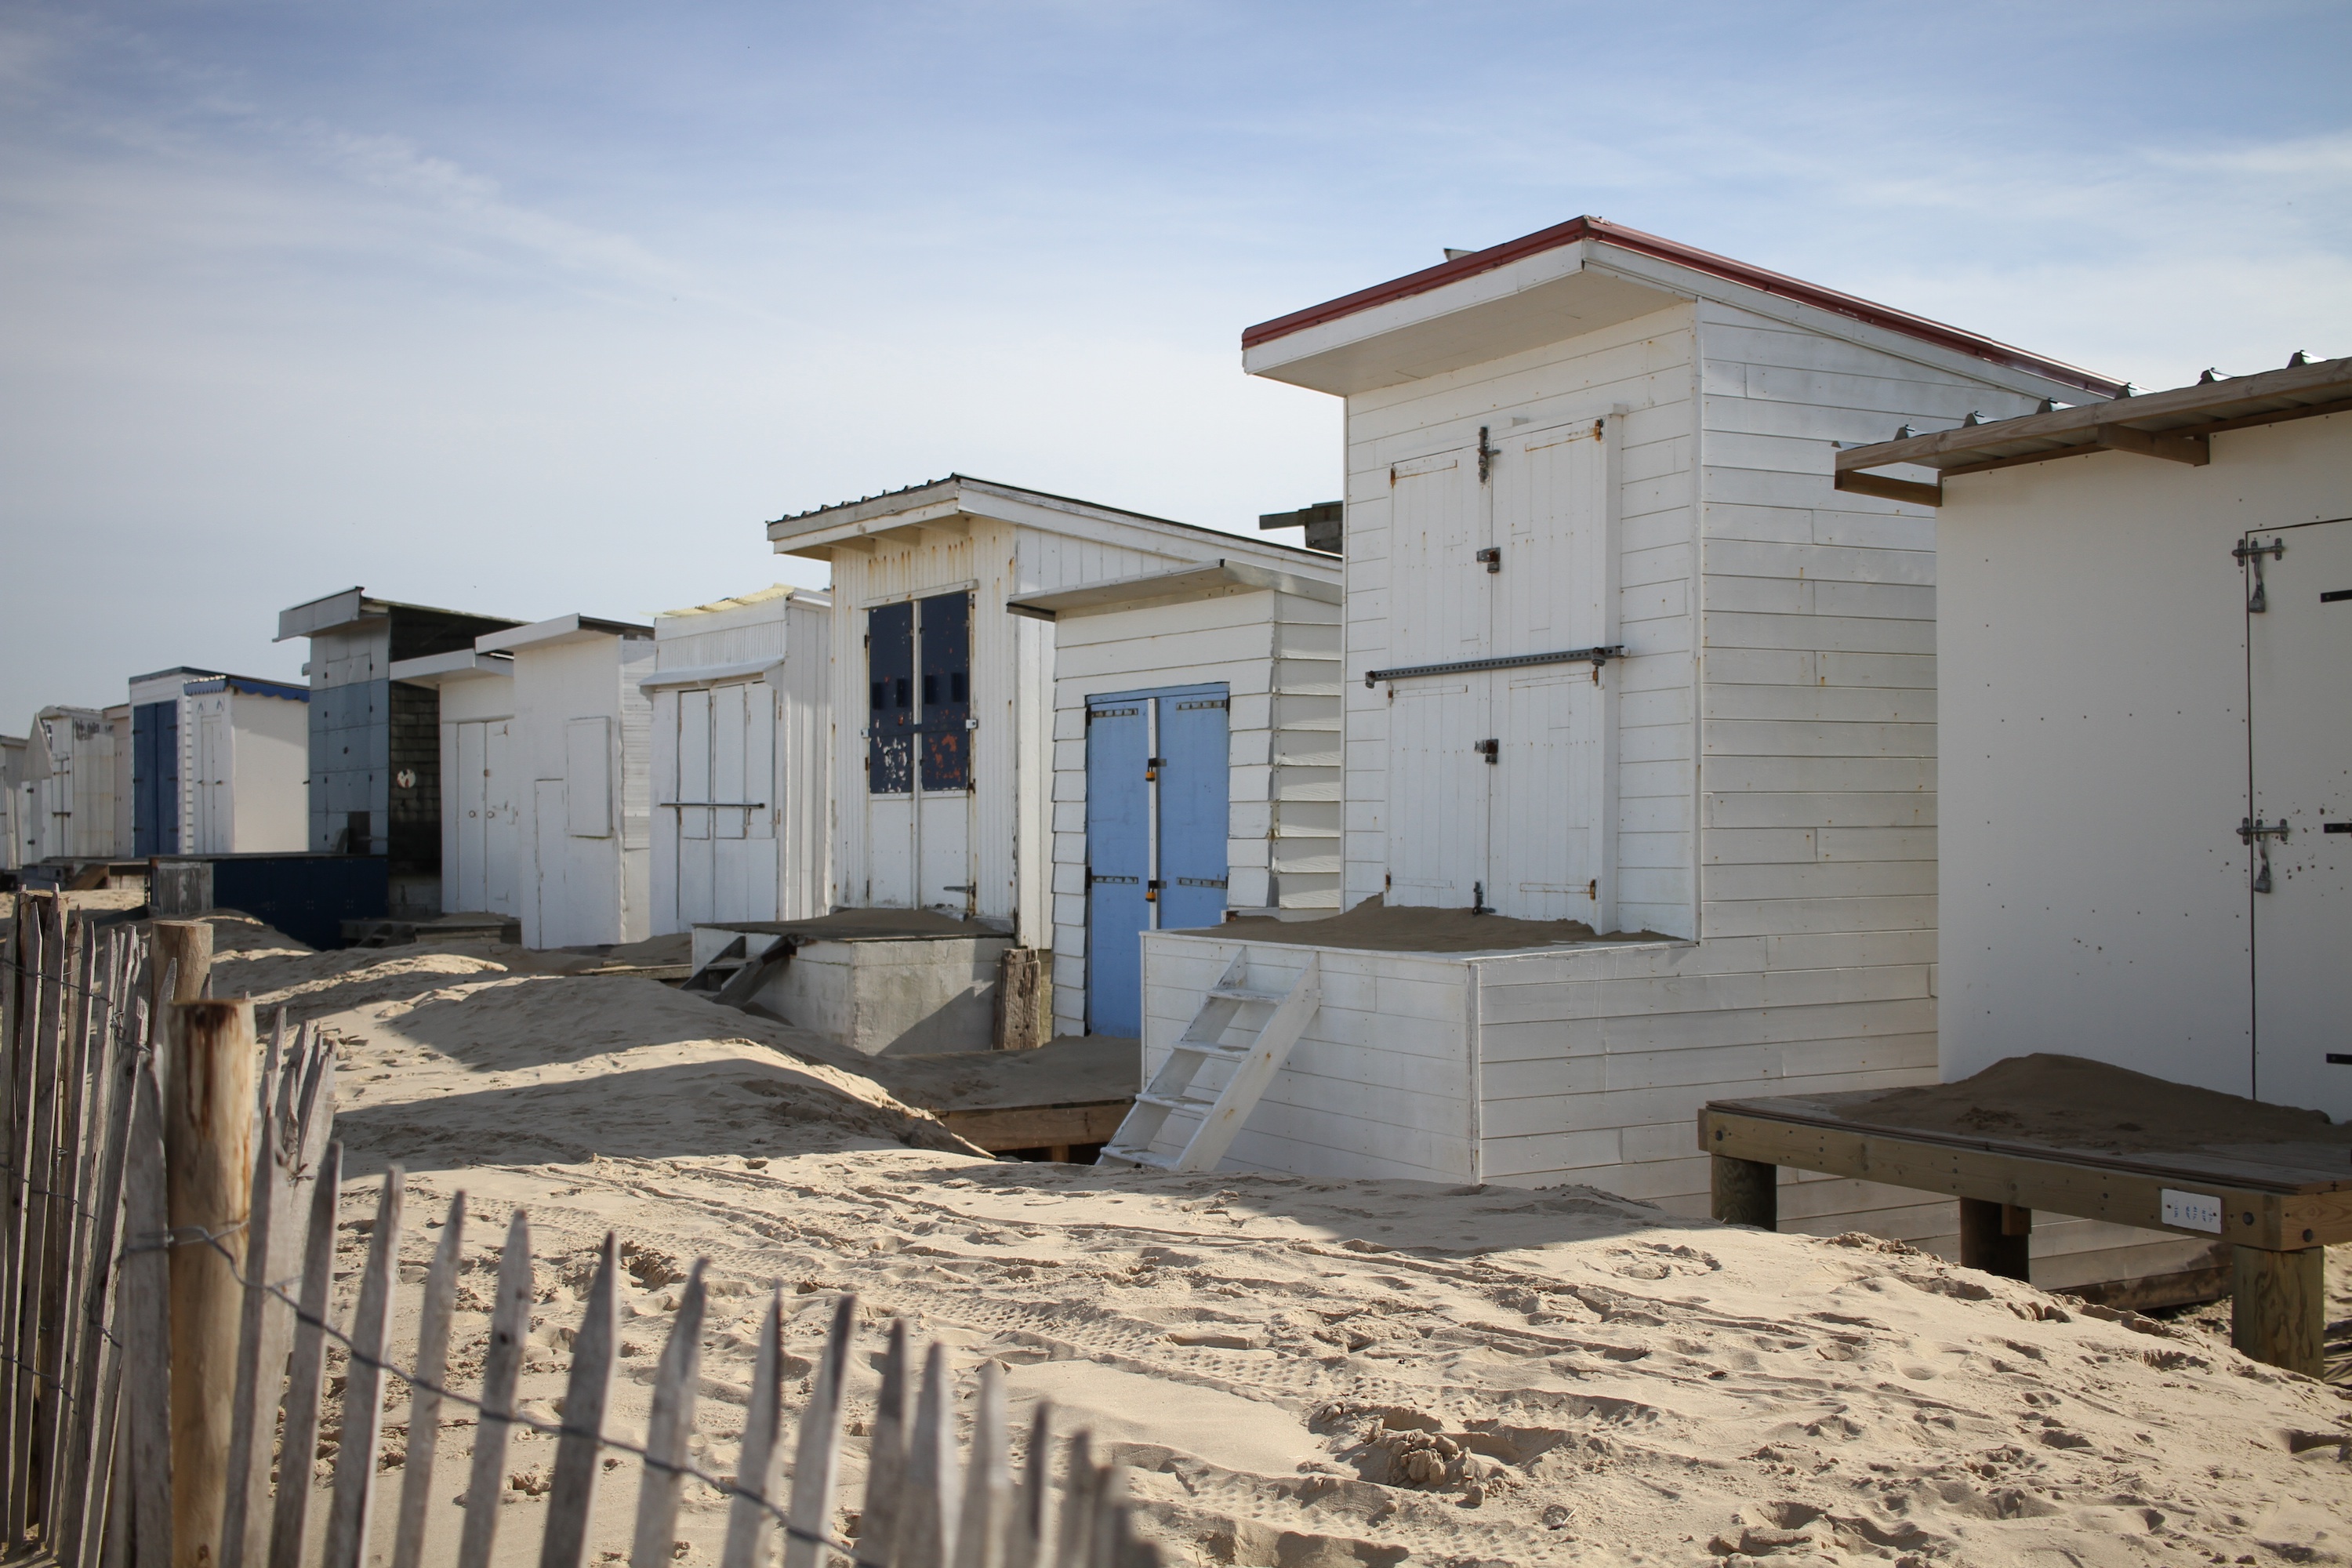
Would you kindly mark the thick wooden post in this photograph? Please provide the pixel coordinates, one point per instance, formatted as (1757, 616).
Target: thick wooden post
(182, 958)
(1996, 1237)
(208, 1095)
(2278, 1307)
(1746, 1192)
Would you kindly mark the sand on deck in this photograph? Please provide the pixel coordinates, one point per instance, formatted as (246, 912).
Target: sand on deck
(1376, 927)
(1580, 1378)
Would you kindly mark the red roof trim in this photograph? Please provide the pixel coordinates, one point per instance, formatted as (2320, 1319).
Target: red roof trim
(1634, 239)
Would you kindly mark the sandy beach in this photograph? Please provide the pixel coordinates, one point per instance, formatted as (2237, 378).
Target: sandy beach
(1302, 1373)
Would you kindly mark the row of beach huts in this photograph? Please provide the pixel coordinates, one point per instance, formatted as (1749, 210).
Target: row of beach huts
(1581, 764)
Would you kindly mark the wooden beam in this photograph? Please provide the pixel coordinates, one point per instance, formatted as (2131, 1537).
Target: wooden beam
(1038, 1126)
(2250, 1217)
(1853, 481)
(1745, 1192)
(1995, 1236)
(2278, 1303)
(2193, 450)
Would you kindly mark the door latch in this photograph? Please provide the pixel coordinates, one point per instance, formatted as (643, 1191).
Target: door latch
(2258, 600)
(1487, 453)
(1493, 556)
(1151, 766)
(2256, 833)
(1490, 750)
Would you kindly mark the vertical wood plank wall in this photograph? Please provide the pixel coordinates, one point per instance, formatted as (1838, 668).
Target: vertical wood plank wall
(1278, 656)
(1644, 366)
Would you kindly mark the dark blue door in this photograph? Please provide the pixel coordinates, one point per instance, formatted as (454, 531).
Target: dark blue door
(1119, 863)
(1157, 777)
(155, 779)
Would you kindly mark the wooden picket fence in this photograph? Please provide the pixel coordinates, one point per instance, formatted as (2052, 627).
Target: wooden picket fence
(108, 1457)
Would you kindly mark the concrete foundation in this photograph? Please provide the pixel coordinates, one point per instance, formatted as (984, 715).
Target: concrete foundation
(892, 992)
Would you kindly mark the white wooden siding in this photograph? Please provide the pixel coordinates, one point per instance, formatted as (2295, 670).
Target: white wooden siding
(1278, 656)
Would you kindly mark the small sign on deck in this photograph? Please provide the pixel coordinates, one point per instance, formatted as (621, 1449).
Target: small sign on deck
(2191, 1211)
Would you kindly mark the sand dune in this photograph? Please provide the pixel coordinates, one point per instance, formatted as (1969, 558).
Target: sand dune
(1304, 1373)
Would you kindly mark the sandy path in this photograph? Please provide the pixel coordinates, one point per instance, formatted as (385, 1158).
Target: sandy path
(1303, 1373)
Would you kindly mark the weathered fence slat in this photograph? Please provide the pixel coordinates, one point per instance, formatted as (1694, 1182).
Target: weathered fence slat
(424, 1390)
(987, 1478)
(509, 1322)
(886, 1459)
(756, 1465)
(927, 1525)
(676, 1381)
(347, 1515)
(1024, 1532)
(35, 1256)
(1079, 1495)
(579, 1453)
(143, 1323)
(298, 1450)
(98, 1191)
(816, 1461)
(63, 1178)
(30, 978)
(255, 1407)
(104, 1495)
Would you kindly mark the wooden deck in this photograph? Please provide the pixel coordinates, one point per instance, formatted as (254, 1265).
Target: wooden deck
(2279, 1201)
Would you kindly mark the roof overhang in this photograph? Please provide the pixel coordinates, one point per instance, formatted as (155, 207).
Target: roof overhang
(1212, 579)
(1579, 277)
(249, 686)
(554, 633)
(447, 669)
(711, 674)
(945, 510)
(2173, 425)
(332, 613)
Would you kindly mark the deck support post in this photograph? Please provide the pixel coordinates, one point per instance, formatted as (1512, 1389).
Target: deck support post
(2278, 1307)
(1746, 1192)
(1996, 1237)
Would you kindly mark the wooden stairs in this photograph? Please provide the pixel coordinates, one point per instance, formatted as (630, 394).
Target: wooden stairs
(1188, 1088)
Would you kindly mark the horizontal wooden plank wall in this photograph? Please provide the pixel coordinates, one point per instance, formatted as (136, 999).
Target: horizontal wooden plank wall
(1645, 367)
(1380, 1084)
(1278, 658)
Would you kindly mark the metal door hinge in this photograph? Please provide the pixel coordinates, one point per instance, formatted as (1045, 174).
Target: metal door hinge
(2255, 832)
(2258, 600)
(1493, 556)
(1200, 881)
(1487, 453)
(1490, 750)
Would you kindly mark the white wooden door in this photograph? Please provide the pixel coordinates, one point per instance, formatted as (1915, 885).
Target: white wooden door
(1438, 780)
(550, 864)
(697, 867)
(215, 835)
(1554, 591)
(2299, 648)
(468, 879)
(725, 797)
(502, 821)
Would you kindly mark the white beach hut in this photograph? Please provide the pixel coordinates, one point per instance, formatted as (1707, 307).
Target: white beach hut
(1616, 654)
(481, 813)
(581, 735)
(741, 758)
(943, 760)
(1196, 763)
(2147, 616)
(70, 765)
(219, 763)
(14, 814)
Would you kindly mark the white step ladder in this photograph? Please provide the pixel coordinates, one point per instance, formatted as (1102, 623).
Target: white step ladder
(1176, 1089)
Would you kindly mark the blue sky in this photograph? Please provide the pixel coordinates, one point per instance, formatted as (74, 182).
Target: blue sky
(528, 308)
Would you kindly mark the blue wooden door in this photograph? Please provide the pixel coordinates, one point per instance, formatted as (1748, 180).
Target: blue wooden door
(1119, 863)
(1194, 786)
(1157, 787)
